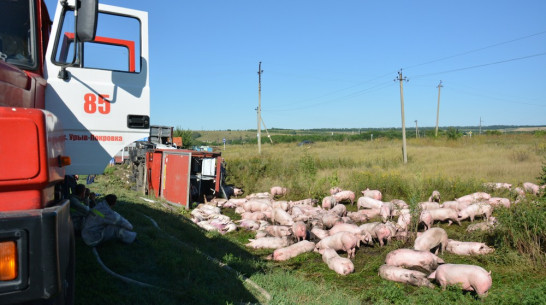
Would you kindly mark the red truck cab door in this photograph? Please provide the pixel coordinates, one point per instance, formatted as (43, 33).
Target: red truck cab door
(104, 100)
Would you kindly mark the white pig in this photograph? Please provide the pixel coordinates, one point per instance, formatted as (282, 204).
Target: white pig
(277, 191)
(340, 210)
(345, 196)
(401, 275)
(340, 241)
(375, 194)
(368, 203)
(443, 214)
(339, 264)
(435, 197)
(278, 231)
(474, 210)
(328, 202)
(282, 217)
(267, 243)
(470, 277)
(409, 258)
(467, 247)
(294, 250)
(430, 239)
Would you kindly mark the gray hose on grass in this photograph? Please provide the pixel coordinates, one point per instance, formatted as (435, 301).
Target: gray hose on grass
(262, 291)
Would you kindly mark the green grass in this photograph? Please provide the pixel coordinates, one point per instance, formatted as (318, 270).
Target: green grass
(173, 259)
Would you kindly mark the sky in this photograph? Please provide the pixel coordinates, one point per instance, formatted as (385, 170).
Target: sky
(333, 64)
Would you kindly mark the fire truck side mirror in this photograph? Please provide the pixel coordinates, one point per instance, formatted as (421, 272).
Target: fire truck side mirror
(88, 11)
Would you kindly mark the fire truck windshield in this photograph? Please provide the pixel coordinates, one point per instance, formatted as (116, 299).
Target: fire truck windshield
(17, 42)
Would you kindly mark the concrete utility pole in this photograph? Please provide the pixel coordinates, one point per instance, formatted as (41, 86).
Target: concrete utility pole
(416, 130)
(481, 125)
(401, 79)
(259, 109)
(438, 109)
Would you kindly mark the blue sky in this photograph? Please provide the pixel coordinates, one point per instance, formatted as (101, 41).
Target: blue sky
(331, 64)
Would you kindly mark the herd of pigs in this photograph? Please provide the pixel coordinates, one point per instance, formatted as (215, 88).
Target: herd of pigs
(295, 227)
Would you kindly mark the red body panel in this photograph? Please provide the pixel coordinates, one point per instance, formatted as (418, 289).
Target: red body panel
(175, 185)
(153, 172)
(30, 166)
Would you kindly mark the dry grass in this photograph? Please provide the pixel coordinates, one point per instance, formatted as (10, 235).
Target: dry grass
(507, 158)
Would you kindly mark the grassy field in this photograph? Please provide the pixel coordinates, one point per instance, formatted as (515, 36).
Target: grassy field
(181, 261)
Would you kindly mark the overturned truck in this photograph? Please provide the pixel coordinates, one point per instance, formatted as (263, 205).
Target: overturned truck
(180, 176)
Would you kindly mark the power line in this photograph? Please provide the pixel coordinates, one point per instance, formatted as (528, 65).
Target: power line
(475, 50)
(482, 65)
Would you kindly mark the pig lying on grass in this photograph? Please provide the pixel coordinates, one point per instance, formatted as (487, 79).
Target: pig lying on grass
(339, 264)
(409, 258)
(470, 277)
(294, 250)
(401, 275)
(467, 247)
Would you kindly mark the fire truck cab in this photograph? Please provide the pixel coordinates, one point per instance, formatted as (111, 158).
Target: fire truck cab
(73, 92)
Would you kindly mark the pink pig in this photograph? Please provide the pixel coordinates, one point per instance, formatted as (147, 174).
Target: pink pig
(467, 247)
(409, 258)
(294, 250)
(277, 191)
(345, 196)
(300, 230)
(430, 239)
(470, 277)
(375, 194)
(339, 264)
(401, 275)
(340, 241)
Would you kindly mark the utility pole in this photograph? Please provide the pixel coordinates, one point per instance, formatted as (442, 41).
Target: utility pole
(416, 130)
(401, 79)
(481, 125)
(438, 109)
(265, 127)
(259, 109)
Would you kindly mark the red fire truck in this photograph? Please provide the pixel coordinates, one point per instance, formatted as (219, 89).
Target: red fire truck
(73, 92)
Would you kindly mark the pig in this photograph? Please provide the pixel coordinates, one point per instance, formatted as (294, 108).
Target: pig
(277, 191)
(443, 214)
(401, 204)
(253, 216)
(368, 213)
(474, 197)
(429, 205)
(359, 216)
(368, 203)
(344, 227)
(467, 247)
(335, 190)
(340, 241)
(470, 277)
(299, 229)
(409, 258)
(426, 219)
(294, 250)
(345, 196)
(482, 226)
(374, 194)
(498, 201)
(404, 221)
(257, 205)
(531, 188)
(267, 243)
(401, 275)
(339, 264)
(386, 211)
(382, 233)
(339, 210)
(430, 239)
(474, 210)
(435, 197)
(319, 233)
(454, 205)
(281, 204)
(249, 224)
(328, 202)
(498, 185)
(237, 191)
(259, 196)
(329, 220)
(278, 231)
(281, 217)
